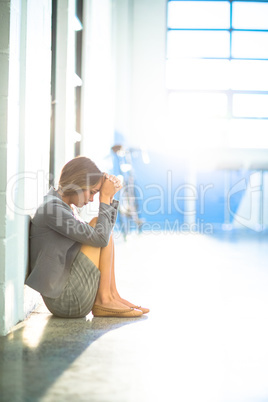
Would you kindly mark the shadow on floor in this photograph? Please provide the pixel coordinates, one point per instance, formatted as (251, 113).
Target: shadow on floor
(40, 349)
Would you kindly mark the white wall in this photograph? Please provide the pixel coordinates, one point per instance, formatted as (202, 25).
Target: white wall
(98, 81)
(148, 72)
(6, 9)
(124, 72)
(123, 52)
(65, 67)
(25, 122)
(140, 41)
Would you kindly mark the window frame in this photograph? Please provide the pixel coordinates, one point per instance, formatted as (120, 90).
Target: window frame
(230, 93)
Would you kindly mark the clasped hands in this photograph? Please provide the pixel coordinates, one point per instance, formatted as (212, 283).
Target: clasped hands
(110, 186)
(113, 179)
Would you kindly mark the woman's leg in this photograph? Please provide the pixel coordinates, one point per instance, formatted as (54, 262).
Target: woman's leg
(106, 296)
(114, 290)
(103, 258)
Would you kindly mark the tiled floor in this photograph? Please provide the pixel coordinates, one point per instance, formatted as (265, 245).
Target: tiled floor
(205, 339)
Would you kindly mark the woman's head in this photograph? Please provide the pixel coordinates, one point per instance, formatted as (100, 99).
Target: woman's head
(79, 175)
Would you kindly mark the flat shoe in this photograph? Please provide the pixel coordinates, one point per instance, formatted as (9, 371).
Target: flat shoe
(143, 309)
(100, 311)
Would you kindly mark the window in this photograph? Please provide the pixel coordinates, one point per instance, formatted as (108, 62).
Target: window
(216, 72)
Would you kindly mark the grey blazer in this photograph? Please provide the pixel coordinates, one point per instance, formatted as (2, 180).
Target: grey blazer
(56, 237)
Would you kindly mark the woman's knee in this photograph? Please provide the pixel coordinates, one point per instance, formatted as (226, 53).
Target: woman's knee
(93, 222)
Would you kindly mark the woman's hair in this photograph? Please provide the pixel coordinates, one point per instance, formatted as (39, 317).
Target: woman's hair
(79, 174)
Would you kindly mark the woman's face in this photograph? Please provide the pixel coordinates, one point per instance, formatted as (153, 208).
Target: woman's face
(84, 197)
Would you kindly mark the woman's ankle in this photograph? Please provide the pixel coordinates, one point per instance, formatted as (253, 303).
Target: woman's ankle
(103, 299)
(115, 295)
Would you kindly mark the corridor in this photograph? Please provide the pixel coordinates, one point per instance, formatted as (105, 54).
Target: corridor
(205, 339)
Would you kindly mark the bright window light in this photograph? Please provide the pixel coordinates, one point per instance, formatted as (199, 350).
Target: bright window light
(217, 77)
(252, 105)
(198, 74)
(252, 45)
(182, 44)
(249, 75)
(77, 24)
(77, 81)
(199, 104)
(247, 133)
(77, 136)
(250, 15)
(199, 14)
(186, 132)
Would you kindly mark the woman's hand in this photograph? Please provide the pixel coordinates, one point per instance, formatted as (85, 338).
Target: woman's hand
(110, 186)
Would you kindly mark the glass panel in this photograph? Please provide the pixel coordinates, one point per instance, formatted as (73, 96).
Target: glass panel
(250, 15)
(191, 105)
(196, 133)
(182, 44)
(246, 133)
(253, 45)
(198, 74)
(249, 75)
(199, 14)
(250, 105)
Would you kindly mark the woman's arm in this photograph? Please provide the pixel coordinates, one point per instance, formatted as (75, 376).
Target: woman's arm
(59, 217)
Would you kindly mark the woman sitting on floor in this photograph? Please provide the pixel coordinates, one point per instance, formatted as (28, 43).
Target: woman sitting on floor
(72, 262)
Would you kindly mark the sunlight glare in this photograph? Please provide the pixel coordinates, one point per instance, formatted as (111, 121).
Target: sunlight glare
(250, 105)
(183, 44)
(253, 45)
(250, 15)
(199, 14)
(32, 334)
(198, 74)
